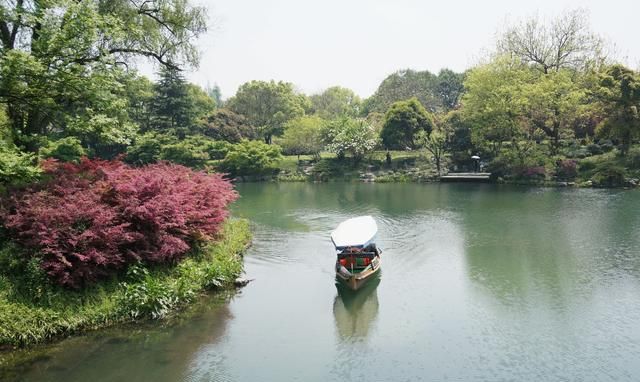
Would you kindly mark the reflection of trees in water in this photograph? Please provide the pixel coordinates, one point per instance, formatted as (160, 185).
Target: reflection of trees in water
(355, 311)
(548, 247)
(150, 352)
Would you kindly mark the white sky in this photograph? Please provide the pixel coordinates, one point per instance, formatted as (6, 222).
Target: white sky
(357, 43)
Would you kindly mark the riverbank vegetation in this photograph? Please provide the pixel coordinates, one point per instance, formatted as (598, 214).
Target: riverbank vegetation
(98, 242)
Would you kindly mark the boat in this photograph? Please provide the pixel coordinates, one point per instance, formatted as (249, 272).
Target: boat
(358, 257)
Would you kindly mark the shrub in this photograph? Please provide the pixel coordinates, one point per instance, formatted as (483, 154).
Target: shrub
(633, 158)
(566, 169)
(16, 168)
(535, 172)
(92, 219)
(147, 148)
(251, 158)
(609, 174)
(67, 149)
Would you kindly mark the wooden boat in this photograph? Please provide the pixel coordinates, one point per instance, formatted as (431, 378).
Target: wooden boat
(358, 257)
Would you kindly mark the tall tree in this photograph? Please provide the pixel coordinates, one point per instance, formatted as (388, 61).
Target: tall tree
(403, 121)
(60, 59)
(336, 102)
(403, 85)
(564, 42)
(450, 86)
(493, 104)
(268, 105)
(620, 95)
(215, 93)
(177, 103)
(435, 92)
(554, 103)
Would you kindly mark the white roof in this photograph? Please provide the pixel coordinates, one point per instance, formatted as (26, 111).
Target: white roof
(355, 232)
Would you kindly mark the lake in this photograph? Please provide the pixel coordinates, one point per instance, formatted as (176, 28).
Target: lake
(478, 282)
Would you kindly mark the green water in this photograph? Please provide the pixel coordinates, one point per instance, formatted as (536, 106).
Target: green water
(478, 282)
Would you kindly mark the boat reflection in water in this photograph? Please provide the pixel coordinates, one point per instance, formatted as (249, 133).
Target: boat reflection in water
(355, 312)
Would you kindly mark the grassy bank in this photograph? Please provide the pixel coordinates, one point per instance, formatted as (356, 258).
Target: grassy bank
(34, 311)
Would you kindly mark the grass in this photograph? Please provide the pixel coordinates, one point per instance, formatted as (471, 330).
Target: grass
(33, 311)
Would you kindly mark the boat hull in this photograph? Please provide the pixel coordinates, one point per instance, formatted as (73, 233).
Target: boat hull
(355, 281)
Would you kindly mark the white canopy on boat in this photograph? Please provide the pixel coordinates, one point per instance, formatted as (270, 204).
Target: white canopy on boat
(355, 232)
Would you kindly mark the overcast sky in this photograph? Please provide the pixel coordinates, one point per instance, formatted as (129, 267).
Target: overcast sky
(357, 43)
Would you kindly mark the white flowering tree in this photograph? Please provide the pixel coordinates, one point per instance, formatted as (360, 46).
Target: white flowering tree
(355, 137)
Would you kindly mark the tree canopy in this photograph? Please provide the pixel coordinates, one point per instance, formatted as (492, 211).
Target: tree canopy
(336, 102)
(62, 62)
(268, 105)
(402, 122)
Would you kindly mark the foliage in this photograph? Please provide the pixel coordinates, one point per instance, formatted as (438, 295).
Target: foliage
(554, 103)
(494, 104)
(268, 105)
(437, 143)
(251, 158)
(609, 174)
(403, 121)
(303, 136)
(435, 92)
(178, 104)
(566, 169)
(33, 310)
(620, 94)
(147, 148)
(225, 125)
(67, 149)
(17, 168)
(350, 136)
(336, 102)
(61, 62)
(90, 220)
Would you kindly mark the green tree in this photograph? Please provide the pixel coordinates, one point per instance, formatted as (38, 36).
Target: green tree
(61, 61)
(402, 122)
(251, 158)
(336, 102)
(228, 126)
(268, 105)
(436, 143)
(620, 95)
(215, 93)
(554, 103)
(449, 88)
(303, 135)
(493, 104)
(350, 136)
(403, 85)
(435, 92)
(178, 104)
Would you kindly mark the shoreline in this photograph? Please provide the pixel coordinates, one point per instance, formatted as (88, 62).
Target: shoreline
(157, 293)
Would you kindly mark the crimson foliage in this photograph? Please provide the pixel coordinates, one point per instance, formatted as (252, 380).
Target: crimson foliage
(92, 219)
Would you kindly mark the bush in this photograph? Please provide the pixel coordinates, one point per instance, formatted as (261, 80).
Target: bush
(566, 169)
(609, 174)
(93, 219)
(16, 168)
(251, 158)
(147, 148)
(633, 158)
(67, 149)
